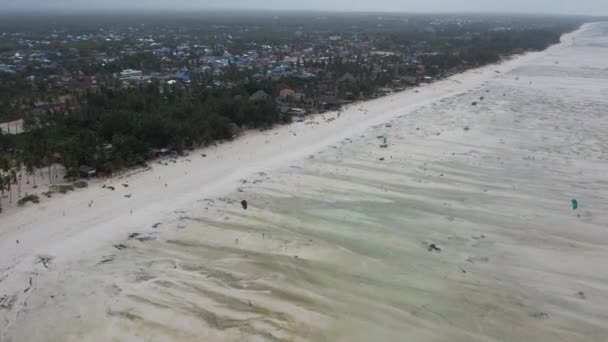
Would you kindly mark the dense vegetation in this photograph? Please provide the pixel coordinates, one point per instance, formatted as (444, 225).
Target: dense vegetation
(116, 127)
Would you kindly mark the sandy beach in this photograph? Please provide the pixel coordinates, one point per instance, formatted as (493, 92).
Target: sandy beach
(460, 228)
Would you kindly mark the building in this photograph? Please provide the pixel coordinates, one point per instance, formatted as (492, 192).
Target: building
(129, 73)
(286, 92)
(87, 171)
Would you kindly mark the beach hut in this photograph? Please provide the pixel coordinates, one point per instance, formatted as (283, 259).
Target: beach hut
(86, 171)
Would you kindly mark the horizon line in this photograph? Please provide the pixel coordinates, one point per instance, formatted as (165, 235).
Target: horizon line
(196, 10)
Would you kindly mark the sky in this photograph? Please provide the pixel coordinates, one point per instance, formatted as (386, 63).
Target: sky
(588, 7)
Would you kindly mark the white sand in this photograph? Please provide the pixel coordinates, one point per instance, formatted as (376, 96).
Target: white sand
(495, 198)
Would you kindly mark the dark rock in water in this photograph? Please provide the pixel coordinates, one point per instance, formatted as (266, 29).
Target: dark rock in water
(474, 103)
(44, 260)
(244, 204)
(433, 248)
(145, 238)
(540, 315)
(7, 302)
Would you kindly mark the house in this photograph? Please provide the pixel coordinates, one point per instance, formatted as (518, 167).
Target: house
(128, 73)
(185, 78)
(259, 96)
(86, 171)
(290, 97)
(286, 92)
(159, 152)
(13, 127)
(297, 112)
(163, 50)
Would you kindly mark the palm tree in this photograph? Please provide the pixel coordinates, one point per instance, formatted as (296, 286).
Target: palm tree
(1, 191)
(7, 187)
(11, 179)
(30, 170)
(18, 166)
(49, 164)
(4, 165)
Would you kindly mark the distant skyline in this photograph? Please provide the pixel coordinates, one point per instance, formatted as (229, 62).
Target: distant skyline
(583, 7)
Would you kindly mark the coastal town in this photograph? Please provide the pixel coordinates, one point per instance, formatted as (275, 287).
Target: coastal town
(306, 68)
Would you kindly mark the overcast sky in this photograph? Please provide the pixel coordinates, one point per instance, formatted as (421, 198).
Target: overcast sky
(593, 7)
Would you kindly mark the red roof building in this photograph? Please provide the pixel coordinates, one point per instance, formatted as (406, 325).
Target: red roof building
(287, 92)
